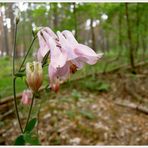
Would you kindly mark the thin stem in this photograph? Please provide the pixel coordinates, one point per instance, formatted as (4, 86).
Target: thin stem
(27, 53)
(38, 116)
(29, 111)
(14, 49)
(15, 104)
(14, 80)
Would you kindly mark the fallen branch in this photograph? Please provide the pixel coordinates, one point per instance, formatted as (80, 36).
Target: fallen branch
(9, 112)
(132, 92)
(132, 105)
(9, 98)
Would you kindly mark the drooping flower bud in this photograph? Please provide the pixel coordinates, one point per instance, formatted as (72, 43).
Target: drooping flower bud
(34, 75)
(26, 97)
(35, 30)
(55, 87)
(17, 15)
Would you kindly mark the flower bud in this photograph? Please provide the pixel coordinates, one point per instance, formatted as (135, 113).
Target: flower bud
(55, 87)
(34, 75)
(26, 97)
(17, 15)
(35, 30)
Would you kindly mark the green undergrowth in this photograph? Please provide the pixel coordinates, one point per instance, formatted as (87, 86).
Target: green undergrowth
(93, 85)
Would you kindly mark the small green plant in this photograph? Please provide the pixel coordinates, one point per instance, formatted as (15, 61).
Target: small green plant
(95, 85)
(28, 137)
(76, 95)
(103, 87)
(71, 114)
(87, 114)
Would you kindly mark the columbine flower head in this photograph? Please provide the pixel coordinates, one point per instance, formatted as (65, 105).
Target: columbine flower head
(26, 97)
(66, 54)
(48, 41)
(34, 75)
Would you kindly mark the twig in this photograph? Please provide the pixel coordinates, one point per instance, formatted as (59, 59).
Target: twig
(131, 105)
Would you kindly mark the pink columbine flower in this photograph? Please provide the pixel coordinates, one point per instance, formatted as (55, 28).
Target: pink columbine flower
(49, 41)
(34, 75)
(66, 54)
(78, 54)
(26, 97)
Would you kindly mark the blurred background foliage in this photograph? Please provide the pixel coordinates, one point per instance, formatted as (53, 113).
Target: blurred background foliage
(119, 30)
(103, 104)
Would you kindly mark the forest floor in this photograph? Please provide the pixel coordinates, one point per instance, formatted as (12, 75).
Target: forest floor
(100, 109)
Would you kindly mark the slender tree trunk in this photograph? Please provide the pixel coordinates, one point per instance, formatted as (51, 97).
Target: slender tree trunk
(50, 17)
(144, 42)
(6, 39)
(137, 24)
(24, 40)
(11, 35)
(129, 34)
(93, 35)
(120, 29)
(1, 34)
(107, 41)
(75, 20)
(120, 34)
(55, 14)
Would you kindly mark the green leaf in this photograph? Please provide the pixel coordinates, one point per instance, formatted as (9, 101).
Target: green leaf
(104, 87)
(27, 137)
(31, 139)
(20, 140)
(87, 114)
(35, 141)
(76, 95)
(31, 125)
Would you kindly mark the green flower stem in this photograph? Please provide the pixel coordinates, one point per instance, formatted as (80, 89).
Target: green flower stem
(29, 114)
(15, 77)
(14, 49)
(27, 53)
(14, 81)
(38, 115)
(15, 104)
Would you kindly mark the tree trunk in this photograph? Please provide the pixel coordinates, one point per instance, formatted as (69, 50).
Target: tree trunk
(24, 40)
(120, 27)
(131, 48)
(5, 40)
(1, 34)
(55, 14)
(93, 35)
(75, 20)
(11, 35)
(137, 25)
(144, 47)
(120, 33)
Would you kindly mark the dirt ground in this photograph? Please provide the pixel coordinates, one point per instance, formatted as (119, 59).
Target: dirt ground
(82, 114)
